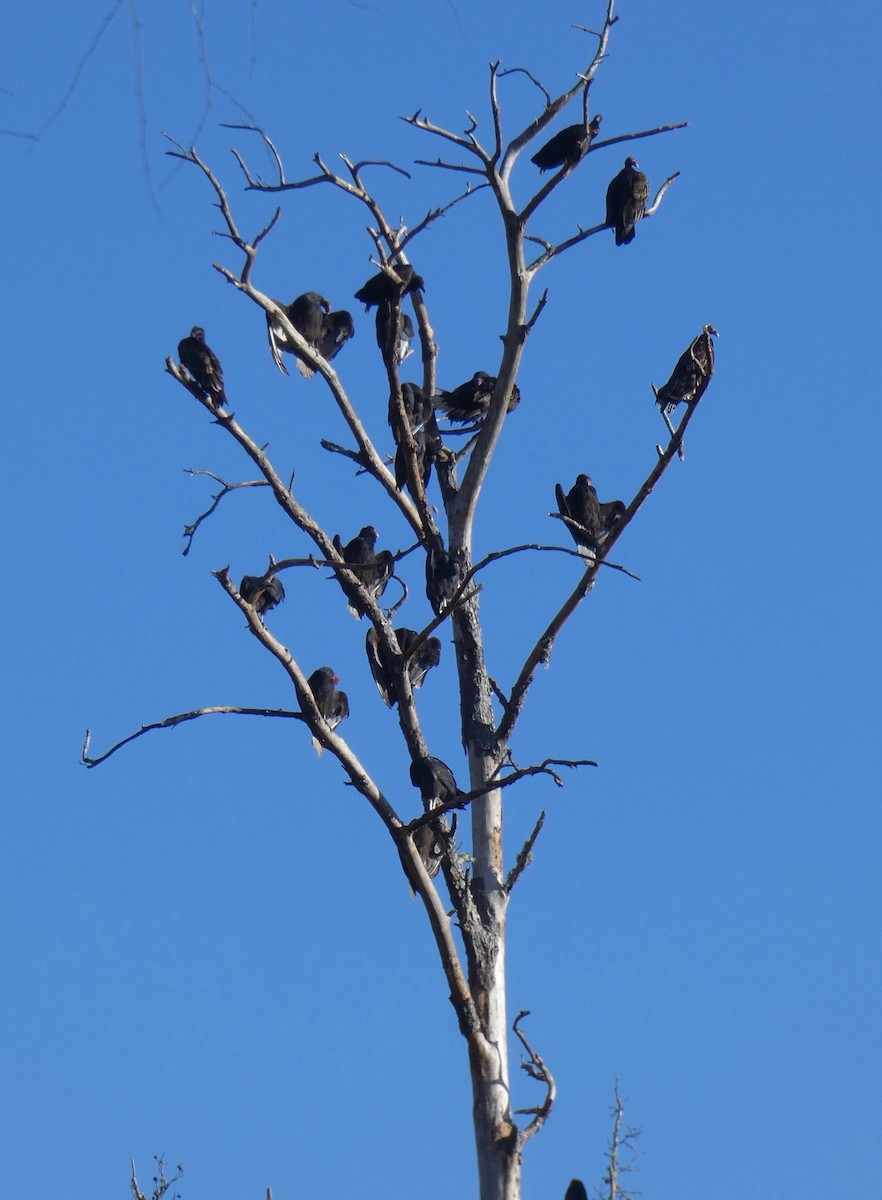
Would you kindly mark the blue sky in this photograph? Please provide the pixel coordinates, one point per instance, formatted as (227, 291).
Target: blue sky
(210, 950)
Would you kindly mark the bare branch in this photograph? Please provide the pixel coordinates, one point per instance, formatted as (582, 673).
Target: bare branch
(525, 854)
(466, 141)
(190, 530)
(249, 250)
(541, 652)
(425, 162)
(630, 137)
(536, 1068)
(531, 77)
(623, 1138)
(178, 719)
(435, 213)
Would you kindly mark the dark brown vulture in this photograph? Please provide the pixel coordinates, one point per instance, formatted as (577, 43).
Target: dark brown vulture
(470, 402)
(311, 316)
(430, 847)
(393, 337)
(692, 374)
(418, 665)
(203, 365)
(333, 705)
(421, 417)
(443, 577)
(382, 286)
(262, 592)
(626, 199)
(435, 781)
(374, 570)
(593, 520)
(568, 146)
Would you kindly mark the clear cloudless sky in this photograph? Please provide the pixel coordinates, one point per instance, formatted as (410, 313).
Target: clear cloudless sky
(209, 949)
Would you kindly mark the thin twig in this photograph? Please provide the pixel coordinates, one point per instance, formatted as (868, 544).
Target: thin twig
(525, 855)
(537, 1069)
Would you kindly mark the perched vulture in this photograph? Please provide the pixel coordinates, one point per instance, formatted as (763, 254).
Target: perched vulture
(576, 1190)
(470, 402)
(418, 665)
(394, 337)
(311, 316)
(691, 375)
(626, 199)
(374, 570)
(333, 705)
(262, 592)
(382, 286)
(430, 847)
(568, 146)
(443, 576)
(595, 520)
(203, 365)
(435, 781)
(421, 417)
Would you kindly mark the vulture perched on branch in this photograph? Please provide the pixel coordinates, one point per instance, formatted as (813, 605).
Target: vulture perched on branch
(587, 519)
(203, 365)
(311, 316)
(418, 665)
(374, 570)
(394, 332)
(436, 784)
(470, 402)
(568, 146)
(333, 705)
(626, 199)
(692, 374)
(262, 592)
(420, 416)
(382, 286)
(435, 781)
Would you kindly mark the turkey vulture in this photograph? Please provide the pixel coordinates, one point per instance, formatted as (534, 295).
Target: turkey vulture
(443, 577)
(203, 365)
(333, 705)
(382, 286)
(691, 375)
(396, 339)
(576, 1190)
(626, 199)
(262, 592)
(434, 779)
(374, 570)
(470, 402)
(311, 316)
(595, 520)
(418, 665)
(424, 428)
(568, 146)
(430, 847)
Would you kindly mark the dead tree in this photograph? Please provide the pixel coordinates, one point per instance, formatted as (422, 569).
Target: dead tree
(469, 929)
